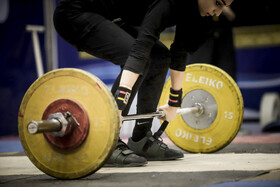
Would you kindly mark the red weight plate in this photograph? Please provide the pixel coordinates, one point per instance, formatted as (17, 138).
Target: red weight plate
(75, 134)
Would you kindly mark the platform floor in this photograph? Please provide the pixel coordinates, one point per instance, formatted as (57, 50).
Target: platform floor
(252, 159)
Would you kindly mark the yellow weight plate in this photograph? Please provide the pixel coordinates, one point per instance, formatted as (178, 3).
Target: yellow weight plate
(101, 109)
(221, 98)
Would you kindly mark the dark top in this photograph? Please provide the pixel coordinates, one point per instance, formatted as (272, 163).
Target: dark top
(153, 17)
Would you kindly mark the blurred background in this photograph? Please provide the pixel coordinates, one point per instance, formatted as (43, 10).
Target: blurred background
(252, 33)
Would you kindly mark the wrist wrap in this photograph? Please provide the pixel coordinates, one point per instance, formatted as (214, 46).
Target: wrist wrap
(175, 98)
(122, 96)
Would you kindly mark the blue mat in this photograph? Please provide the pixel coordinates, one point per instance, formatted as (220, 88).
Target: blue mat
(10, 146)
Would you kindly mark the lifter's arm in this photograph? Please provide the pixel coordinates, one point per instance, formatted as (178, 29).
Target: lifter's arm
(127, 81)
(128, 78)
(176, 79)
(176, 84)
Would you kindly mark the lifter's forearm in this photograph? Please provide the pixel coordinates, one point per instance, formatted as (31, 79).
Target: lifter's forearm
(128, 78)
(176, 79)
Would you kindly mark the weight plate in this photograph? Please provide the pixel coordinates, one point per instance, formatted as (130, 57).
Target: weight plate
(223, 110)
(103, 116)
(269, 109)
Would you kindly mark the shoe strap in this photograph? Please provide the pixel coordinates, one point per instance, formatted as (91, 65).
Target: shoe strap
(151, 140)
(120, 155)
(161, 129)
(127, 152)
(123, 148)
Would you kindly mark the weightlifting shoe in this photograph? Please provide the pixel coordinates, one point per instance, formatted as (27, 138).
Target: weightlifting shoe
(124, 157)
(153, 149)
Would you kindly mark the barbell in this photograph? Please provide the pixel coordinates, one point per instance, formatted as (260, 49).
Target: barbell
(68, 120)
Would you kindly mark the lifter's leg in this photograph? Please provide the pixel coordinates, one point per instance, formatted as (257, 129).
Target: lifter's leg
(110, 42)
(148, 97)
(151, 88)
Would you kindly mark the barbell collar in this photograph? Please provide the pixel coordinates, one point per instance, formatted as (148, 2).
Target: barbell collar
(188, 110)
(52, 125)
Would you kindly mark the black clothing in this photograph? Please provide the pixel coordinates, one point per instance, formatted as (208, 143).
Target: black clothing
(133, 43)
(74, 19)
(218, 49)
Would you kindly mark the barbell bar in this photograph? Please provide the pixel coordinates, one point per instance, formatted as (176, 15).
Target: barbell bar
(55, 123)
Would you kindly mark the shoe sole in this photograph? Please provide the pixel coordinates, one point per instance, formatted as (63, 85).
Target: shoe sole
(126, 165)
(163, 159)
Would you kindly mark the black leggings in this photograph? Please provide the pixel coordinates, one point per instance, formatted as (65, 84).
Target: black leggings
(111, 42)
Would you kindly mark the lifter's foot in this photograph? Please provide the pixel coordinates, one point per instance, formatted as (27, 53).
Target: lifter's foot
(124, 157)
(153, 149)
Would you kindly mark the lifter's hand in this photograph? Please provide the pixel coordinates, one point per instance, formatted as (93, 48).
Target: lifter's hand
(170, 112)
